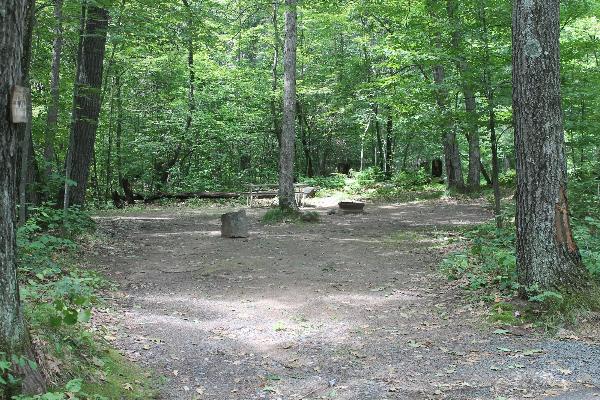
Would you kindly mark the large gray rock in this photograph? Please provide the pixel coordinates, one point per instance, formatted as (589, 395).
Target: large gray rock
(234, 225)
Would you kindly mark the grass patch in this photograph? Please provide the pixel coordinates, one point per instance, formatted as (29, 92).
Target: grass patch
(278, 215)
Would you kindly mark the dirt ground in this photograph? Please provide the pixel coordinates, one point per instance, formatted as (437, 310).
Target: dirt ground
(350, 308)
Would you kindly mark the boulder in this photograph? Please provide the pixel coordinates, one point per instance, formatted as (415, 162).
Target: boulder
(234, 225)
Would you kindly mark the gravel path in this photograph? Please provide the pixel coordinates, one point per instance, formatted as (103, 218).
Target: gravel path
(351, 308)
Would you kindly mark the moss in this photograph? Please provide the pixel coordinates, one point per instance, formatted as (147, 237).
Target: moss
(121, 379)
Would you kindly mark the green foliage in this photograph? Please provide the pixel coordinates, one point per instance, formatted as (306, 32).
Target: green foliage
(487, 268)
(508, 178)
(332, 182)
(411, 180)
(368, 178)
(58, 299)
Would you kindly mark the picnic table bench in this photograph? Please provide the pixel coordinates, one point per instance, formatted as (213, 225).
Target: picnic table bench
(263, 191)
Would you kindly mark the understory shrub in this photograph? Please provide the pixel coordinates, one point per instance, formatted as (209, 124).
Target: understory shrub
(487, 269)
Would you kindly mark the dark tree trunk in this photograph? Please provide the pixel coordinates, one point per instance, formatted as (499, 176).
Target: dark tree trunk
(86, 107)
(547, 255)
(191, 71)
(119, 129)
(305, 137)
(379, 150)
(14, 337)
(495, 166)
(287, 197)
(53, 108)
(389, 146)
(486, 176)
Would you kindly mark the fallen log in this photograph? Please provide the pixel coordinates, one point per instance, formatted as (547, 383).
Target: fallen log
(193, 195)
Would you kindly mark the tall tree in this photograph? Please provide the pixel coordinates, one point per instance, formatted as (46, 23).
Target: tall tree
(287, 196)
(274, 72)
(547, 255)
(86, 104)
(463, 67)
(14, 337)
(53, 109)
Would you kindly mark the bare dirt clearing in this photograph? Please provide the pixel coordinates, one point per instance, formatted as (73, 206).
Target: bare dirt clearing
(351, 308)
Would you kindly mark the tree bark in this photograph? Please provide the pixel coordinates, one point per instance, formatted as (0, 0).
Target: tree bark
(451, 149)
(52, 118)
(389, 146)
(274, 74)
(87, 105)
(547, 255)
(14, 337)
(26, 175)
(191, 71)
(474, 176)
(287, 197)
(491, 105)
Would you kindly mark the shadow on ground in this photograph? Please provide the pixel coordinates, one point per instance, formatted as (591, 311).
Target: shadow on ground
(351, 308)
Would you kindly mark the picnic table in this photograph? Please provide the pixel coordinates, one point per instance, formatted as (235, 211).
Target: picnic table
(269, 190)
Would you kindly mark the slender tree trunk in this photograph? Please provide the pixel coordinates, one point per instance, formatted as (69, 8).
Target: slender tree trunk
(547, 255)
(14, 337)
(389, 143)
(25, 154)
(495, 165)
(287, 196)
(191, 71)
(474, 177)
(305, 137)
(119, 129)
(86, 103)
(274, 73)
(380, 159)
(109, 155)
(451, 149)
(490, 97)
(53, 108)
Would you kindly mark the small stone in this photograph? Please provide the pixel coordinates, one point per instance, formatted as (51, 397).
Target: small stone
(234, 225)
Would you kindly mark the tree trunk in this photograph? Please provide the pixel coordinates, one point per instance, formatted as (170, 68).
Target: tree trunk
(86, 108)
(26, 175)
(389, 146)
(451, 149)
(53, 108)
(119, 129)
(191, 71)
(490, 96)
(14, 337)
(474, 177)
(547, 255)
(305, 137)
(379, 149)
(287, 197)
(274, 74)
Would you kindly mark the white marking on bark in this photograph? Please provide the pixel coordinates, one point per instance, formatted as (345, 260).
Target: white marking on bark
(533, 48)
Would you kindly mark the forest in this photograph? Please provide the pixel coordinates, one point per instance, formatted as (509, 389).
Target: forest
(467, 129)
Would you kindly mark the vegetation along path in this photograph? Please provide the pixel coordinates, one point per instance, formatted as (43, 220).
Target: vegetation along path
(351, 308)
